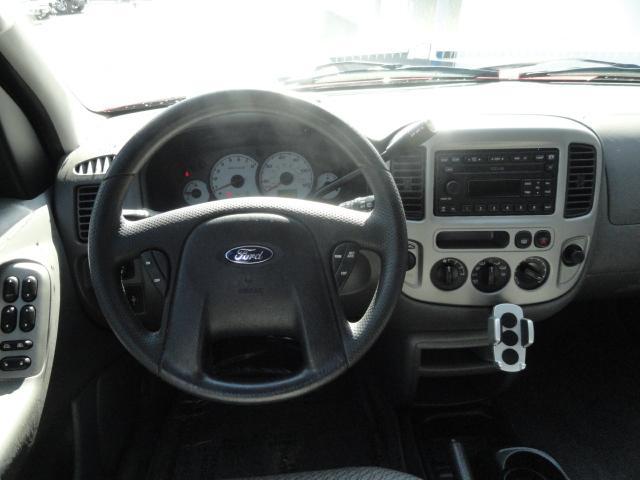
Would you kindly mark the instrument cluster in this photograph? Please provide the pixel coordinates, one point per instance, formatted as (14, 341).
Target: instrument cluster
(187, 175)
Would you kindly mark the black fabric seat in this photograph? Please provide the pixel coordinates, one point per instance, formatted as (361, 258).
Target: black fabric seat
(355, 473)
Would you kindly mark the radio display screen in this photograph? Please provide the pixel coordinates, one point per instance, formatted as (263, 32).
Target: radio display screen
(494, 188)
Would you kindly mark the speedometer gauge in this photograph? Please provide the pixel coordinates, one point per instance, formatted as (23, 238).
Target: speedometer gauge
(234, 176)
(286, 174)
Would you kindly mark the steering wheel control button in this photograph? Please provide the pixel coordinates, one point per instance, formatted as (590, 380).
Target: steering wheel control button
(11, 345)
(27, 318)
(448, 274)
(490, 275)
(29, 289)
(542, 239)
(510, 356)
(523, 239)
(532, 273)
(10, 289)
(9, 319)
(10, 364)
(344, 256)
(573, 255)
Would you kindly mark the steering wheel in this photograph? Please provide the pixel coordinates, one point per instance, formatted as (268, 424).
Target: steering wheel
(247, 266)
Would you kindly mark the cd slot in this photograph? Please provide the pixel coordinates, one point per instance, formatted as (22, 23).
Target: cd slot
(469, 240)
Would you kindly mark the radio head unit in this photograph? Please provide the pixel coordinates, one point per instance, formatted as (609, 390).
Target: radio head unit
(496, 182)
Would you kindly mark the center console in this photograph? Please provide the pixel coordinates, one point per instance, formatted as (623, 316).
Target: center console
(509, 210)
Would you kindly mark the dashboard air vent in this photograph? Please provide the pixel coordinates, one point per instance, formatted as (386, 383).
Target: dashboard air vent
(581, 179)
(94, 166)
(408, 173)
(85, 198)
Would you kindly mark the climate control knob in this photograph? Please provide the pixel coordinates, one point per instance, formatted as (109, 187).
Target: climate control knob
(490, 275)
(449, 274)
(532, 273)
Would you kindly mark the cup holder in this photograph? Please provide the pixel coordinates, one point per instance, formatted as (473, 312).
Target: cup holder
(528, 464)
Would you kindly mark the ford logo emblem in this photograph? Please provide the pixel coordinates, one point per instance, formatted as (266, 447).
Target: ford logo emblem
(249, 254)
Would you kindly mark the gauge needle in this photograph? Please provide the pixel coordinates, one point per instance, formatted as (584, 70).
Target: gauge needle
(222, 187)
(272, 188)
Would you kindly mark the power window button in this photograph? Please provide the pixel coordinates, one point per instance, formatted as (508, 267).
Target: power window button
(10, 289)
(29, 288)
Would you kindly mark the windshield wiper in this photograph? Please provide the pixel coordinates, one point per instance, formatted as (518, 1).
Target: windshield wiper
(572, 67)
(357, 73)
(140, 106)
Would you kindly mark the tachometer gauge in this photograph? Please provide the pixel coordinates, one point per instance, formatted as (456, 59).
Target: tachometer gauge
(286, 174)
(326, 179)
(195, 191)
(234, 176)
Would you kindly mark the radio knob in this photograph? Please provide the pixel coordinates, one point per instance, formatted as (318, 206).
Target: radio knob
(532, 273)
(490, 275)
(452, 187)
(448, 274)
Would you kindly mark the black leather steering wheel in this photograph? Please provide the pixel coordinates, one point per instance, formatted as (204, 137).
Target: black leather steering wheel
(292, 294)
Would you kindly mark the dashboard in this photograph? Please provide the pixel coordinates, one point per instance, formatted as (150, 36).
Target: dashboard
(272, 159)
(501, 229)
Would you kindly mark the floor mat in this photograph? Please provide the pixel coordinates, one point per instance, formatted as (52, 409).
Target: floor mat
(579, 398)
(336, 427)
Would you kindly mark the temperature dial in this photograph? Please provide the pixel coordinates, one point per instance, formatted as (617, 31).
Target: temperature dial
(490, 274)
(449, 274)
(532, 273)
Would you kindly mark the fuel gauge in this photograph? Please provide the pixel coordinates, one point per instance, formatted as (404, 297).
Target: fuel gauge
(195, 191)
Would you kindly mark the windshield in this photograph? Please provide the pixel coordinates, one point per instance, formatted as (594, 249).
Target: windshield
(113, 53)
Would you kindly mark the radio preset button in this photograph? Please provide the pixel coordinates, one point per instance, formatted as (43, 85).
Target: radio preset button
(480, 208)
(507, 207)
(467, 208)
(493, 208)
(520, 207)
(533, 207)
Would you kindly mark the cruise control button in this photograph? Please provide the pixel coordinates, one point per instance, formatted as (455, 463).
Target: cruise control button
(29, 289)
(9, 364)
(8, 319)
(523, 239)
(348, 253)
(338, 255)
(10, 289)
(27, 318)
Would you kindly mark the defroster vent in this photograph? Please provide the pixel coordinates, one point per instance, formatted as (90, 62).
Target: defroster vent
(85, 198)
(581, 180)
(94, 166)
(408, 173)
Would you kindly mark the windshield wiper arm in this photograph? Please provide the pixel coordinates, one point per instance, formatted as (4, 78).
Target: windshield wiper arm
(140, 106)
(386, 69)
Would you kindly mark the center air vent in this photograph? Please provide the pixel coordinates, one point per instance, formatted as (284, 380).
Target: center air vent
(85, 198)
(408, 173)
(94, 166)
(581, 179)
